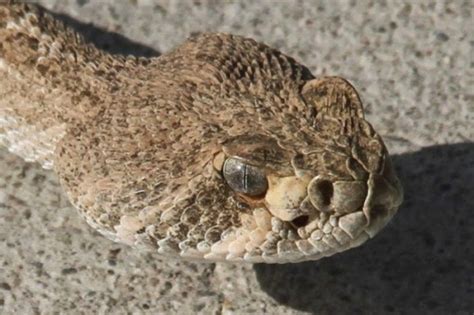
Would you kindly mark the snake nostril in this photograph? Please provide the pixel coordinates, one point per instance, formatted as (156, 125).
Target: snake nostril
(300, 221)
(326, 191)
(321, 193)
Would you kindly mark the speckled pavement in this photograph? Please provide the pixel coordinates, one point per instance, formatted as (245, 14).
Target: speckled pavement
(414, 67)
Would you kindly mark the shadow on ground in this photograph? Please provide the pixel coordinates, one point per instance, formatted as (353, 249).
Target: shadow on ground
(110, 42)
(421, 263)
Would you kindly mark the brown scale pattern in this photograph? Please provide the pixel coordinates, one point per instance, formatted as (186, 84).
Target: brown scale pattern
(140, 135)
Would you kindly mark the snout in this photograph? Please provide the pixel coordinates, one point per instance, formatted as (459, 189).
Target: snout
(385, 195)
(299, 200)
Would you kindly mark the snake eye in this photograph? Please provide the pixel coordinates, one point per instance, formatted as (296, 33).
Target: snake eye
(244, 178)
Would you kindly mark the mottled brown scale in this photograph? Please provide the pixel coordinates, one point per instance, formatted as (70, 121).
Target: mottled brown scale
(139, 144)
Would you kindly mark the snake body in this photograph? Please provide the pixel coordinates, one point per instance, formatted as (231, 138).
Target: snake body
(223, 149)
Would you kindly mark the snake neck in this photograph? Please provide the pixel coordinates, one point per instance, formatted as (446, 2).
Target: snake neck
(50, 81)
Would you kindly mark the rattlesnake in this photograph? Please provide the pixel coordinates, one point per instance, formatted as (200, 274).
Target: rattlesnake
(223, 149)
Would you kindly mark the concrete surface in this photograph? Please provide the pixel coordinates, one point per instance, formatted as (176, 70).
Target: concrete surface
(413, 65)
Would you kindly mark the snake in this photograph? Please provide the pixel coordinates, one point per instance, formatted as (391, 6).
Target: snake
(221, 150)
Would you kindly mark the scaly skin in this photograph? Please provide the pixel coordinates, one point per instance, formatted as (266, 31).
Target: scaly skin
(145, 148)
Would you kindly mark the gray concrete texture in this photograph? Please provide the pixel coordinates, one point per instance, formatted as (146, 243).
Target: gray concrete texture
(413, 65)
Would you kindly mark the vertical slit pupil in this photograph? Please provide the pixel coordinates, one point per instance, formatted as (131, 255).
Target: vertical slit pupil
(244, 178)
(245, 173)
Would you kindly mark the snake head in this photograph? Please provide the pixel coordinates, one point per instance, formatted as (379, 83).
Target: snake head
(316, 197)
